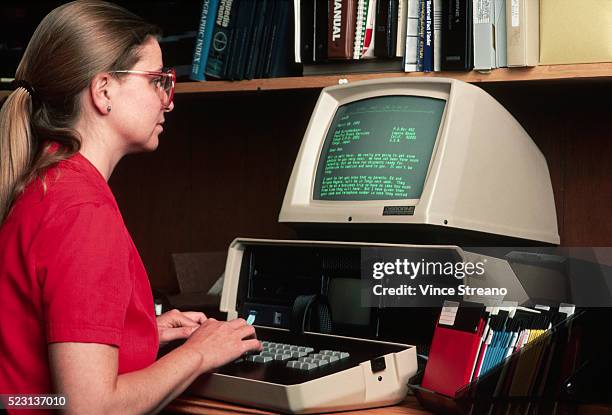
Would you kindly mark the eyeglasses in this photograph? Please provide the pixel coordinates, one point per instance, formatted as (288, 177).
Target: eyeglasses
(164, 83)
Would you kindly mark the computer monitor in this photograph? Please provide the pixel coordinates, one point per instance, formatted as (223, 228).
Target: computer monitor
(420, 151)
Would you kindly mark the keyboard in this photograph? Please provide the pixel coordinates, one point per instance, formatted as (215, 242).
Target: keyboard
(313, 372)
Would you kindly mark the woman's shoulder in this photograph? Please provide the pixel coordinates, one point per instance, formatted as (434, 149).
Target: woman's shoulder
(61, 187)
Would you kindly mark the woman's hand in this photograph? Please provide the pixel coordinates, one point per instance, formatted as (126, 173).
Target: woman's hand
(221, 342)
(175, 324)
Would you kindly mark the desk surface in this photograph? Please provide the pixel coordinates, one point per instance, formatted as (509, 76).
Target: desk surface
(197, 406)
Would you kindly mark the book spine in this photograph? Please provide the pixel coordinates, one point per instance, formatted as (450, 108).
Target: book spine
(297, 35)
(341, 33)
(457, 35)
(256, 39)
(235, 31)
(412, 37)
(522, 21)
(484, 52)
(421, 42)
(381, 28)
(219, 48)
(501, 57)
(266, 36)
(402, 13)
(428, 45)
(368, 41)
(321, 28)
(247, 26)
(437, 39)
(202, 44)
(359, 28)
(393, 27)
(306, 39)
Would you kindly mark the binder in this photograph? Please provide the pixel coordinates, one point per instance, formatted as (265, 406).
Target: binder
(501, 53)
(523, 32)
(457, 35)
(484, 35)
(575, 31)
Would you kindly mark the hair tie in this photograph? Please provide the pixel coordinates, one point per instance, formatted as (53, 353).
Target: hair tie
(26, 85)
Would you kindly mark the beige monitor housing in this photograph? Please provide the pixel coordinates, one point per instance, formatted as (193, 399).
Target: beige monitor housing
(485, 173)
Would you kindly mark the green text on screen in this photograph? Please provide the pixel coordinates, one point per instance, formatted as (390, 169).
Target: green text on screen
(378, 149)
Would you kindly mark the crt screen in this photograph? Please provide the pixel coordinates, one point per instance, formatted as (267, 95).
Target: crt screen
(378, 149)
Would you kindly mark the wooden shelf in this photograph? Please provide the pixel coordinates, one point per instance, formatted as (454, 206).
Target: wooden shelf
(538, 73)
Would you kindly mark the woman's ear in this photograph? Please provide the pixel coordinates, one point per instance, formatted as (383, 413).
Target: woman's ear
(100, 90)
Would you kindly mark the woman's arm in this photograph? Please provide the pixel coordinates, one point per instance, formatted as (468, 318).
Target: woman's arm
(87, 372)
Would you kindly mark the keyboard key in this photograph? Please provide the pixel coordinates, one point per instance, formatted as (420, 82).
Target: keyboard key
(262, 359)
(294, 364)
(271, 354)
(298, 354)
(307, 366)
(321, 362)
(282, 357)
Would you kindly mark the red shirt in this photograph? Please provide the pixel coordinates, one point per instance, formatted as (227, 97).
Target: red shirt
(69, 272)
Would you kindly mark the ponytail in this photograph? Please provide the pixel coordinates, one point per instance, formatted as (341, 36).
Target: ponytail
(16, 146)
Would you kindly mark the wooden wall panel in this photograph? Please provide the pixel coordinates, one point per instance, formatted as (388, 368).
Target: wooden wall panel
(220, 172)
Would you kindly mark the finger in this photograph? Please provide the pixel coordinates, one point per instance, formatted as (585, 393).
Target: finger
(196, 316)
(166, 335)
(237, 323)
(250, 345)
(246, 332)
(181, 320)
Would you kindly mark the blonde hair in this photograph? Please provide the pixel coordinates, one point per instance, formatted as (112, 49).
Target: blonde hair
(70, 46)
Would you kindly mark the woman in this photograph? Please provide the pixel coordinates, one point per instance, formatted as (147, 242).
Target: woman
(76, 315)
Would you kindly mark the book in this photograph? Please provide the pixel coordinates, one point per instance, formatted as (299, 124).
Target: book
(386, 28)
(264, 48)
(484, 35)
(421, 37)
(457, 35)
(428, 38)
(218, 55)
(412, 36)
(282, 63)
(304, 33)
(402, 17)
(341, 29)
(501, 54)
(437, 35)
(321, 27)
(241, 39)
(523, 32)
(572, 32)
(367, 51)
(256, 40)
(360, 27)
(203, 39)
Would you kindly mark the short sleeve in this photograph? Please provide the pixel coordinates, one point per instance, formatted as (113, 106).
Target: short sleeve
(84, 268)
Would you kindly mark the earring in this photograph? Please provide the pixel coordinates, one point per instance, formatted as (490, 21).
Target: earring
(108, 109)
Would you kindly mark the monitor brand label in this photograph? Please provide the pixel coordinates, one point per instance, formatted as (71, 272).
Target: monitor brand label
(398, 211)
